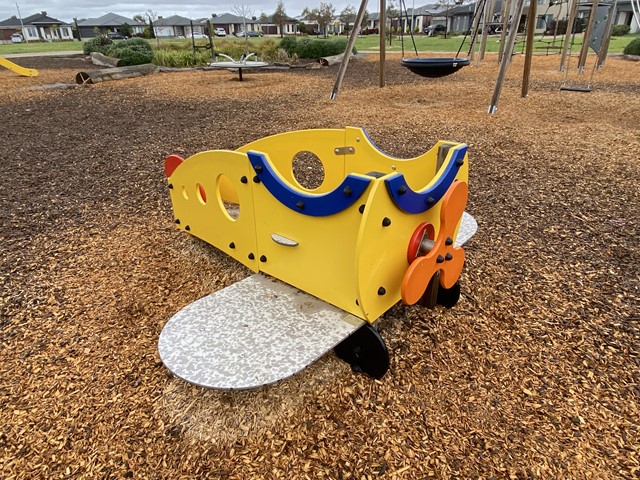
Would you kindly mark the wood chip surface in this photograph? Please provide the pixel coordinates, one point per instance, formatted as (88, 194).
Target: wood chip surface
(533, 375)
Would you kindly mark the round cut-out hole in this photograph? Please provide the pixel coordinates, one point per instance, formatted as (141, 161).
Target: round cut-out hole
(200, 192)
(308, 170)
(228, 197)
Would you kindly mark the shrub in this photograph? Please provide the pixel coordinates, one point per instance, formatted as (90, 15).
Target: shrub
(170, 57)
(289, 44)
(134, 51)
(100, 44)
(633, 48)
(313, 48)
(620, 30)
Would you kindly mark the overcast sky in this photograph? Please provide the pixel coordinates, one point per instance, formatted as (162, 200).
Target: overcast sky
(66, 11)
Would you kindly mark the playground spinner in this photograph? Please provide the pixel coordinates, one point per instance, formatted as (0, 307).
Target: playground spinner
(377, 230)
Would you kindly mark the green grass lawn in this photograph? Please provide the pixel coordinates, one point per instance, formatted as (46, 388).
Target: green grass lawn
(364, 43)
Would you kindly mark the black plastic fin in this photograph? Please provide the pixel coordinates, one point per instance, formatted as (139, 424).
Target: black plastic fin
(365, 351)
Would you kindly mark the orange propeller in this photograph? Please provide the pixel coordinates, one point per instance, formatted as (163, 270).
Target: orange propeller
(443, 256)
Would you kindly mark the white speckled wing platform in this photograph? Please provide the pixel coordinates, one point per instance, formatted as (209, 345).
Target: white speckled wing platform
(257, 331)
(252, 333)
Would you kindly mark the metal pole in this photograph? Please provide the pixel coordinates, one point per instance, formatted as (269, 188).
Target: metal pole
(531, 27)
(347, 53)
(21, 24)
(383, 35)
(508, 52)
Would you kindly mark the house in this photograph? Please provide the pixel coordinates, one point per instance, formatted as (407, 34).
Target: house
(175, 26)
(109, 22)
(266, 25)
(232, 24)
(624, 16)
(37, 27)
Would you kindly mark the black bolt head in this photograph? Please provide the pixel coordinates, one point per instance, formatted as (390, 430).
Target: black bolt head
(386, 221)
(448, 241)
(256, 179)
(171, 185)
(263, 258)
(448, 256)
(258, 168)
(348, 191)
(361, 208)
(440, 259)
(187, 228)
(232, 245)
(251, 256)
(177, 221)
(460, 162)
(402, 190)
(300, 205)
(381, 291)
(244, 179)
(431, 201)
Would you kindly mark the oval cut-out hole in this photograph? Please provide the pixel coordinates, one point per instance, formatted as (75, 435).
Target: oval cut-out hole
(308, 170)
(184, 192)
(228, 197)
(202, 195)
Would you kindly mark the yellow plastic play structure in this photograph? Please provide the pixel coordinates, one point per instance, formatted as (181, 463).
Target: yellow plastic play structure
(25, 72)
(357, 241)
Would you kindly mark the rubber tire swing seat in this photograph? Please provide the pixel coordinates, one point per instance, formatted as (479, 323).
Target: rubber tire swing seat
(434, 67)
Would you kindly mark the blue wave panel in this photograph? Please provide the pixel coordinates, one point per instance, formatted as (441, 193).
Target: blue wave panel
(322, 205)
(411, 201)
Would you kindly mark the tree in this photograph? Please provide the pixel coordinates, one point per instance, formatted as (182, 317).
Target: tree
(322, 15)
(245, 12)
(392, 12)
(280, 17)
(125, 29)
(348, 16)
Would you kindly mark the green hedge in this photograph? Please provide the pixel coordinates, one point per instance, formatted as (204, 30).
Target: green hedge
(633, 48)
(100, 44)
(314, 48)
(134, 51)
(620, 30)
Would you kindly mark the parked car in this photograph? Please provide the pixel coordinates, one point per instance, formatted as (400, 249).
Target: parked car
(16, 38)
(248, 34)
(116, 36)
(219, 32)
(199, 35)
(433, 29)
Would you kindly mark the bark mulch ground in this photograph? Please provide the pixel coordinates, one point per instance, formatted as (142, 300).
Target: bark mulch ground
(534, 374)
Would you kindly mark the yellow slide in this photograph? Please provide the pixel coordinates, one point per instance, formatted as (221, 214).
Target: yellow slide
(25, 72)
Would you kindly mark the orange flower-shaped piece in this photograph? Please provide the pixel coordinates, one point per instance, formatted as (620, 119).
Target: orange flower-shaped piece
(444, 256)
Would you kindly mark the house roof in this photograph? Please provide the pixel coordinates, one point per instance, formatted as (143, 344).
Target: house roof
(107, 20)
(42, 19)
(173, 21)
(36, 19)
(227, 19)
